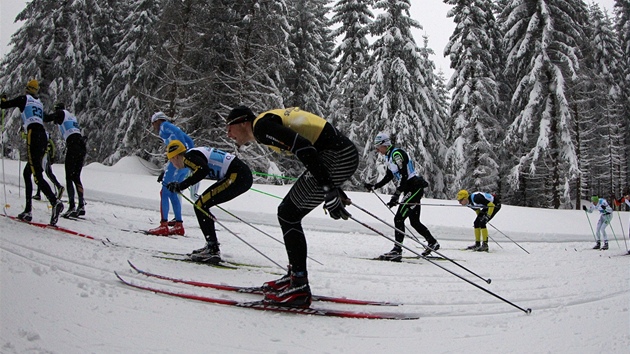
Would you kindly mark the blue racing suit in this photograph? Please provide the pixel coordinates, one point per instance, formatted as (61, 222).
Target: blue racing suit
(169, 132)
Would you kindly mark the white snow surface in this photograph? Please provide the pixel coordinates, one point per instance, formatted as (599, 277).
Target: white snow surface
(59, 294)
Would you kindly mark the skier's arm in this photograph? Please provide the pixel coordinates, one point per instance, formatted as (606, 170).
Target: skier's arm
(388, 177)
(198, 164)
(57, 117)
(480, 199)
(18, 102)
(170, 132)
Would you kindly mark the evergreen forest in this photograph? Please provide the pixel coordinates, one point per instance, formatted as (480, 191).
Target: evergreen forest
(537, 109)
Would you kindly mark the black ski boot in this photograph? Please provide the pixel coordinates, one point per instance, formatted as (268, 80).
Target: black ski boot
(56, 212)
(296, 294)
(430, 248)
(597, 246)
(25, 216)
(474, 247)
(483, 247)
(211, 254)
(395, 255)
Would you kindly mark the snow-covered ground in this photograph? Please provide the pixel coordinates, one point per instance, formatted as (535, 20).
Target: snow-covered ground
(58, 292)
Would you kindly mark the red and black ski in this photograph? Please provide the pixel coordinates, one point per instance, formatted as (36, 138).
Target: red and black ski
(55, 227)
(262, 306)
(258, 290)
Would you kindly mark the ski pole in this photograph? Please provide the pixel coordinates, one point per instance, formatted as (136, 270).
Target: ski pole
(4, 182)
(434, 204)
(527, 311)
(272, 175)
(613, 232)
(259, 230)
(508, 237)
(423, 257)
(228, 230)
(20, 173)
(621, 225)
(591, 225)
(415, 238)
(265, 193)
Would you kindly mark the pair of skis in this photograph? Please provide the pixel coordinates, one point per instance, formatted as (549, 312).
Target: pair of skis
(261, 305)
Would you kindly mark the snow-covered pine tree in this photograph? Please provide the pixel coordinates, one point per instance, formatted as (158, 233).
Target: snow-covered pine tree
(622, 25)
(24, 62)
(253, 59)
(400, 99)
(347, 87)
(90, 27)
(542, 39)
(65, 45)
(475, 131)
(607, 163)
(438, 114)
(442, 188)
(131, 81)
(311, 44)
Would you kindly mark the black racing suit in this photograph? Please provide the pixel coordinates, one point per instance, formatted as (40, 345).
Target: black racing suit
(330, 159)
(412, 190)
(76, 150)
(36, 143)
(237, 180)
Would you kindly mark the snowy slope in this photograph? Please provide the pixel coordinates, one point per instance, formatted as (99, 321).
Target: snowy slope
(58, 293)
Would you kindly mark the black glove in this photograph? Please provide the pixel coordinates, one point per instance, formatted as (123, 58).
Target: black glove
(334, 203)
(161, 177)
(584, 208)
(368, 186)
(484, 218)
(173, 187)
(392, 202)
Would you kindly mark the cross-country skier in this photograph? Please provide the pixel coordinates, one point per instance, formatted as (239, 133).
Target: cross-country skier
(32, 113)
(605, 216)
(330, 159)
(233, 179)
(76, 150)
(169, 132)
(411, 185)
(486, 206)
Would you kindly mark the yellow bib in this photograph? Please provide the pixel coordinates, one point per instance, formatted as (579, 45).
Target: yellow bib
(306, 124)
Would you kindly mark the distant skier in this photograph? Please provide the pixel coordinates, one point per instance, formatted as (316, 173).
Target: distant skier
(486, 206)
(411, 185)
(76, 150)
(32, 113)
(330, 159)
(233, 179)
(169, 132)
(605, 217)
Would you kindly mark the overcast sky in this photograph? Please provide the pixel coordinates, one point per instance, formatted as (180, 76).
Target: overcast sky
(431, 14)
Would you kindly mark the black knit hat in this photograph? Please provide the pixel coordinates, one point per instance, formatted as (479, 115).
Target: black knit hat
(240, 114)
